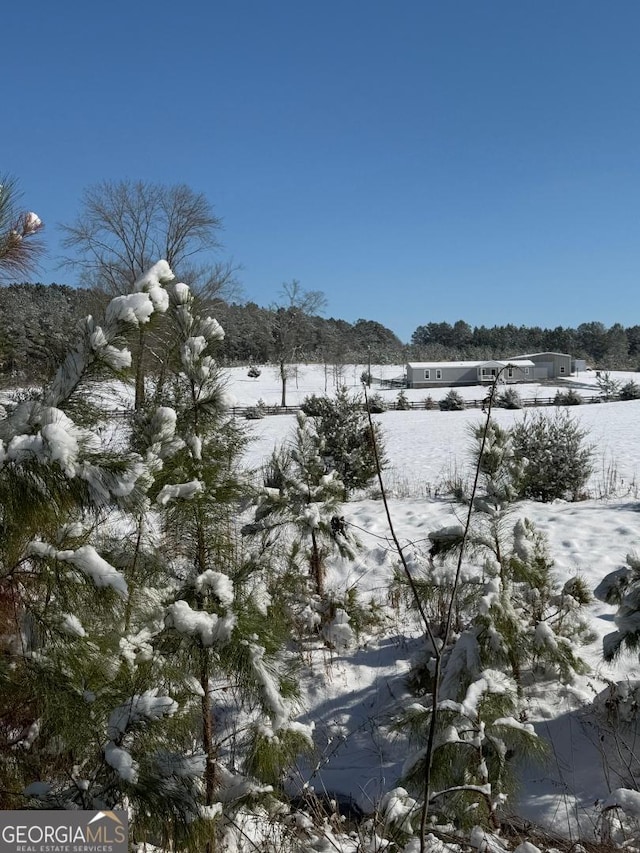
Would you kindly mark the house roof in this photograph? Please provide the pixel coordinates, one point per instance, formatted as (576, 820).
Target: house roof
(432, 365)
(420, 365)
(545, 352)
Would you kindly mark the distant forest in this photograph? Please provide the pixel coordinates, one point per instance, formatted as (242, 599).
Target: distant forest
(38, 324)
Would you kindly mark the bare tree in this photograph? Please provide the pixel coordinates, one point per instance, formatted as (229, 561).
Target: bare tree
(126, 226)
(289, 316)
(20, 246)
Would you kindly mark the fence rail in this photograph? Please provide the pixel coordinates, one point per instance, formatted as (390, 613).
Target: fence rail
(257, 412)
(421, 405)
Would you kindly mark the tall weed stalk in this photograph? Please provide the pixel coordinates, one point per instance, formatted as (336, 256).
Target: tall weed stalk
(437, 648)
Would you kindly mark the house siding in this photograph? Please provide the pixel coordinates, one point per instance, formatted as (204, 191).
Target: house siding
(462, 373)
(549, 365)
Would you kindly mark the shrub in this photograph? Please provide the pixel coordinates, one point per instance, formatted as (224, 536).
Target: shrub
(255, 413)
(343, 426)
(608, 386)
(376, 404)
(402, 404)
(313, 405)
(567, 398)
(554, 460)
(509, 399)
(430, 403)
(453, 402)
(630, 391)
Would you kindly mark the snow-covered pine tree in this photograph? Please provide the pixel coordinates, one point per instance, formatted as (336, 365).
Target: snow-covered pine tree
(74, 724)
(498, 467)
(622, 587)
(302, 503)
(512, 625)
(218, 625)
(476, 737)
(343, 425)
(108, 664)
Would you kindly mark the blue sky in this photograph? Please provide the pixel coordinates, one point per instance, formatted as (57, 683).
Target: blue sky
(418, 161)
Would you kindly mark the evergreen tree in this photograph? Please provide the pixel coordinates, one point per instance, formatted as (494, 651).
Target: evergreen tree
(217, 624)
(114, 646)
(511, 625)
(76, 726)
(558, 461)
(303, 501)
(622, 587)
(347, 443)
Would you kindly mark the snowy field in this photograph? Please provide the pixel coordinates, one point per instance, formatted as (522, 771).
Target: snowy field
(350, 695)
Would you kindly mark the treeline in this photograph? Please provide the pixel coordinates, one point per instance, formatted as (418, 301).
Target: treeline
(615, 347)
(38, 323)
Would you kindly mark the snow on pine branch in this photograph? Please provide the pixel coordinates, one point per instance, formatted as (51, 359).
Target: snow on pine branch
(180, 491)
(122, 762)
(206, 628)
(142, 707)
(87, 560)
(46, 435)
(98, 342)
(273, 700)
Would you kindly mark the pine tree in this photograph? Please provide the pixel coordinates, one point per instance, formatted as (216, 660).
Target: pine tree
(115, 644)
(217, 623)
(75, 725)
(512, 625)
(343, 426)
(622, 587)
(303, 501)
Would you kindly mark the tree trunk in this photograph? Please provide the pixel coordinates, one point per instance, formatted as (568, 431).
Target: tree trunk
(283, 379)
(207, 739)
(317, 569)
(139, 398)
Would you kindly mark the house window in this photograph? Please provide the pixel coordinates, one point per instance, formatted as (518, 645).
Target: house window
(489, 372)
(510, 372)
(526, 371)
(427, 374)
(438, 373)
(562, 368)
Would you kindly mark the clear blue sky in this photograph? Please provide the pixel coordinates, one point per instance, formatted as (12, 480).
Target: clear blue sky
(418, 160)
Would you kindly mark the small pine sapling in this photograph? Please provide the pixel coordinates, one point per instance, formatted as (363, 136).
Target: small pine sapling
(453, 402)
(509, 399)
(347, 444)
(302, 500)
(477, 735)
(402, 403)
(622, 588)
(556, 461)
(630, 391)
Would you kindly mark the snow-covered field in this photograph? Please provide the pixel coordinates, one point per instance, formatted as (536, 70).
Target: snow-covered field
(351, 694)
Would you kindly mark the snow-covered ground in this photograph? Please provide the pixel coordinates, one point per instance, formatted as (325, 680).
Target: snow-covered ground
(350, 694)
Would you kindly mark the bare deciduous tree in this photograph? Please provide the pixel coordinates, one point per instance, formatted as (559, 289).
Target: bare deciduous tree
(289, 315)
(126, 226)
(20, 246)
